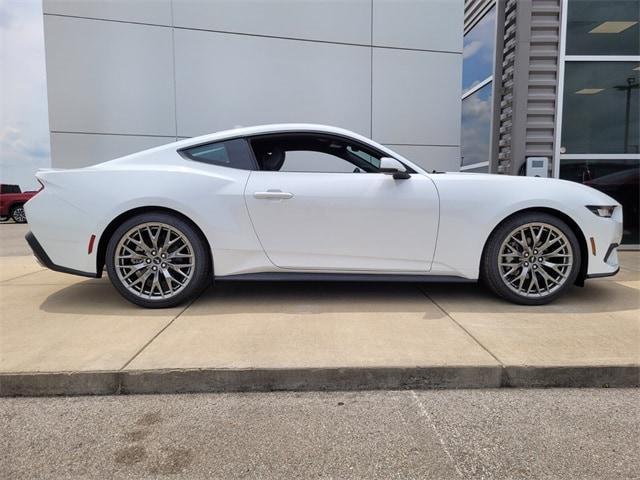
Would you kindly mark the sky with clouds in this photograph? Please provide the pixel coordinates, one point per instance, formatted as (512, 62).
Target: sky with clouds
(24, 123)
(477, 66)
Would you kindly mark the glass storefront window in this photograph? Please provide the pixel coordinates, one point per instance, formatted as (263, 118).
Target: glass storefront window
(476, 126)
(618, 179)
(484, 169)
(601, 108)
(478, 51)
(603, 27)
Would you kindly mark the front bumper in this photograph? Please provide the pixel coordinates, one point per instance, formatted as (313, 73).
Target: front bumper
(602, 275)
(610, 251)
(603, 235)
(44, 260)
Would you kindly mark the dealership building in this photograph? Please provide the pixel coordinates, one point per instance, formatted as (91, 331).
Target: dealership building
(558, 80)
(475, 85)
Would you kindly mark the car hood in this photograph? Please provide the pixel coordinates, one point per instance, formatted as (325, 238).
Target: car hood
(586, 194)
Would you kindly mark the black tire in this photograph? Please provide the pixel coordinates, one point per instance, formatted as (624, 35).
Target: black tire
(490, 268)
(17, 214)
(202, 273)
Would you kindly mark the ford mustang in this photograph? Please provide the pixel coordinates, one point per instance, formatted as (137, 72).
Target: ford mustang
(312, 202)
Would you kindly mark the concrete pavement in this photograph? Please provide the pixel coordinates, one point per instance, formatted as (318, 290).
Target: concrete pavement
(435, 434)
(65, 334)
(12, 239)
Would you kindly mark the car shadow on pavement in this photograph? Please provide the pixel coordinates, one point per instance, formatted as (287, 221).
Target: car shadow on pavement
(99, 297)
(94, 297)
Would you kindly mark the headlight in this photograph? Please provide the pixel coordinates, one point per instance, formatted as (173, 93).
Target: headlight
(604, 211)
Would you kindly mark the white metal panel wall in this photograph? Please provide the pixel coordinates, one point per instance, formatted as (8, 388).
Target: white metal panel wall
(224, 81)
(75, 150)
(109, 77)
(418, 24)
(345, 21)
(175, 68)
(404, 111)
(154, 12)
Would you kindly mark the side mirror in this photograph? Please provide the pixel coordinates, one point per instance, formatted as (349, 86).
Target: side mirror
(391, 166)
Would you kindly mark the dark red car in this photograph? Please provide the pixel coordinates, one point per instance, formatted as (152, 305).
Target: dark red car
(12, 201)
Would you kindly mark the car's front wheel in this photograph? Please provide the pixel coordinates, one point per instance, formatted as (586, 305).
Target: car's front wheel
(531, 259)
(158, 260)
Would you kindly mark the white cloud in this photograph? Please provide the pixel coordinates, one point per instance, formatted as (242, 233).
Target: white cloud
(476, 123)
(24, 126)
(471, 49)
(476, 107)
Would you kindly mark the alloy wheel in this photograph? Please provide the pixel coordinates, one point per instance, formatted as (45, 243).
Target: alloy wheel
(535, 259)
(154, 261)
(18, 215)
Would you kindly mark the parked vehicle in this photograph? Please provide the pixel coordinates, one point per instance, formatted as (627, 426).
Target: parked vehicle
(301, 202)
(12, 201)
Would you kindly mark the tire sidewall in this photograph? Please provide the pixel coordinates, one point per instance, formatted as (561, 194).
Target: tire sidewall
(202, 262)
(490, 271)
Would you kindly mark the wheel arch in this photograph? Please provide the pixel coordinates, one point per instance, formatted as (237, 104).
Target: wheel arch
(575, 228)
(124, 216)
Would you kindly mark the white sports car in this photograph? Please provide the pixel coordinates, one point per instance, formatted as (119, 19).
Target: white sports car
(311, 202)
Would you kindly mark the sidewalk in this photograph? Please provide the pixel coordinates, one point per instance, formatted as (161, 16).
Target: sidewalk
(61, 334)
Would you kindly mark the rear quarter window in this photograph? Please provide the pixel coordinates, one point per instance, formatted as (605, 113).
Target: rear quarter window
(4, 188)
(231, 153)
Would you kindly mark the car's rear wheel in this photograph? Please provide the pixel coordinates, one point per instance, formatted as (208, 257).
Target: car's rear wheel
(531, 259)
(18, 215)
(158, 260)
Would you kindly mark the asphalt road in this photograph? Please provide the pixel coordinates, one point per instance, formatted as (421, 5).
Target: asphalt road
(452, 434)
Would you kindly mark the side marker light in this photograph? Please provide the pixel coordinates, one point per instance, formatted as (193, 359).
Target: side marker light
(92, 239)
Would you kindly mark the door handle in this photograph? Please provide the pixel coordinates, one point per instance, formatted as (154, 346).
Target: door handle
(273, 195)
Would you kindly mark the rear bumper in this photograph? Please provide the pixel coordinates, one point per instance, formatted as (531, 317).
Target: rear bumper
(45, 261)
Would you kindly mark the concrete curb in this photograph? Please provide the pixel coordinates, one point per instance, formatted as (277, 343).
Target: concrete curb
(58, 383)
(559, 376)
(310, 379)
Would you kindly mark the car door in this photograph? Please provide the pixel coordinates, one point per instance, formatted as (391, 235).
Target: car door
(344, 220)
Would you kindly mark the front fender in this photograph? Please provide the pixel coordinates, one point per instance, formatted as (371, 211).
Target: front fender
(473, 205)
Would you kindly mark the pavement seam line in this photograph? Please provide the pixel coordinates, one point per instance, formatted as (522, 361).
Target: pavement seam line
(158, 334)
(462, 328)
(425, 414)
(21, 276)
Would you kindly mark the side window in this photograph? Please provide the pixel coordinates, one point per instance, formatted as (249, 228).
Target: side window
(232, 153)
(4, 188)
(367, 157)
(310, 161)
(303, 152)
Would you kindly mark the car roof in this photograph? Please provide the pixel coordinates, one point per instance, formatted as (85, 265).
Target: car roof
(267, 129)
(260, 130)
